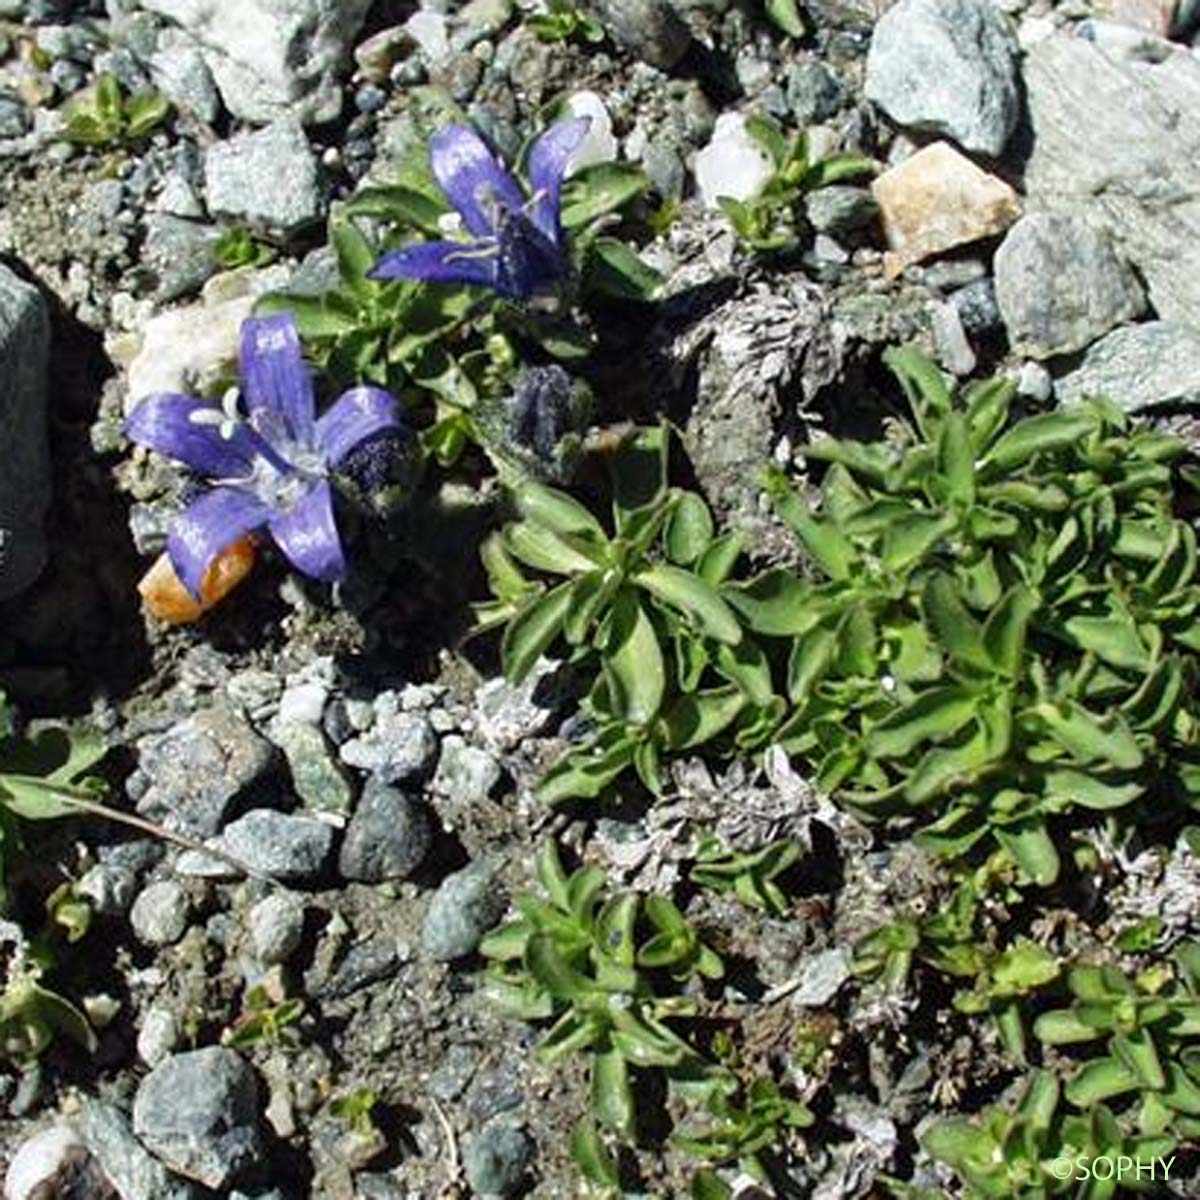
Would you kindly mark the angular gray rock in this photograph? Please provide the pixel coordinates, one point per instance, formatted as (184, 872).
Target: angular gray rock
(286, 847)
(1138, 366)
(947, 66)
(198, 767)
(465, 906)
(276, 927)
(198, 1113)
(1060, 285)
(387, 838)
(272, 57)
(1116, 139)
(134, 1172)
(650, 29)
(267, 179)
(399, 746)
(24, 451)
(496, 1160)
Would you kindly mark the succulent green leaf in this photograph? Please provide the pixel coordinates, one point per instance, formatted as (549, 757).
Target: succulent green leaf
(699, 602)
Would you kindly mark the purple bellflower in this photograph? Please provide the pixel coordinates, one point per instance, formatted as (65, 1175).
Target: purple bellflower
(517, 245)
(269, 465)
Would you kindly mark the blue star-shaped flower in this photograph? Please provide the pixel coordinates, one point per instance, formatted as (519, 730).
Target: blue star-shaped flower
(518, 248)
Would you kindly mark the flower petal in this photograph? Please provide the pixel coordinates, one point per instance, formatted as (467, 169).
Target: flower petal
(548, 161)
(361, 413)
(530, 263)
(209, 525)
(440, 262)
(472, 177)
(276, 382)
(165, 422)
(308, 535)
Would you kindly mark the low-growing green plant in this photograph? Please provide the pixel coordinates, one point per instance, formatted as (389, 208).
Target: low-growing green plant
(268, 1019)
(1009, 1152)
(641, 606)
(103, 116)
(774, 221)
(1005, 628)
(609, 969)
(749, 874)
(1150, 1026)
(238, 247)
(565, 21)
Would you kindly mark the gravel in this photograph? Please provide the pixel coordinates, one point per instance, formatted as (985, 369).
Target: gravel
(398, 747)
(1060, 286)
(291, 848)
(268, 179)
(947, 66)
(388, 837)
(198, 1112)
(276, 927)
(465, 907)
(160, 914)
(496, 1160)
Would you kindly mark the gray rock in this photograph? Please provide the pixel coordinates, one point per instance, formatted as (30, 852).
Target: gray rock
(179, 71)
(276, 927)
(1060, 286)
(160, 914)
(1138, 366)
(134, 1172)
(182, 254)
(388, 837)
(506, 714)
(15, 119)
(947, 66)
(272, 58)
(198, 1112)
(399, 746)
(282, 845)
(465, 773)
(198, 767)
(365, 963)
(839, 209)
(267, 179)
(977, 307)
(649, 29)
(318, 777)
(1115, 141)
(497, 1159)
(823, 975)
(24, 451)
(466, 905)
(158, 1035)
(814, 92)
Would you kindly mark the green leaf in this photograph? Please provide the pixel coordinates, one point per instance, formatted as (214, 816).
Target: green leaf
(585, 773)
(399, 205)
(1136, 1050)
(774, 603)
(786, 14)
(1005, 629)
(717, 562)
(1100, 1079)
(592, 1157)
(106, 97)
(699, 602)
(613, 269)
(689, 530)
(41, 779)
(957, 631)
(695, 719)
(144, 112)
(544, 550)
(746, 665)
(923, 384)
(1042, 434)
(355, 257)
(811, 658)
(532, 631)
(909, 538)
(599, 190)
(835, 169)
(1113, 639)
(1078, 787)
(612, 1097)
(1088, 737)
(933, 716)
(557, 511)
(706, 1183)
(633, 663)
(1032, 847)
(1061, 1027)
(956, 460)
